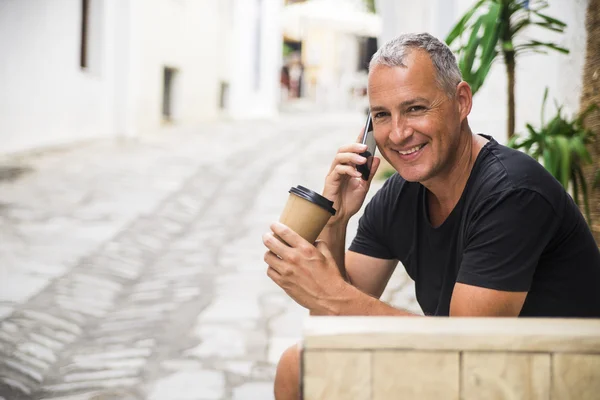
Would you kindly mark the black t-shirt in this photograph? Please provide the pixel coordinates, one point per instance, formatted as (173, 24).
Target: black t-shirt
(514, 229)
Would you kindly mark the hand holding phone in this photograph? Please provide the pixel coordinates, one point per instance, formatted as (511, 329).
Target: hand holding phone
(369, 140)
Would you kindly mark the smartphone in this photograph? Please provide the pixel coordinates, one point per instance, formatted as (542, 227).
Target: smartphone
(369, 140)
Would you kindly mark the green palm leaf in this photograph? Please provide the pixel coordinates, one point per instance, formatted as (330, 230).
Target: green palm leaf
(537, 44)
(550, 20)
(564, 163)
(462, 25)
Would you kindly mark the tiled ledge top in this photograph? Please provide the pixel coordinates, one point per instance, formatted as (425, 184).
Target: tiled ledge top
(453, 334)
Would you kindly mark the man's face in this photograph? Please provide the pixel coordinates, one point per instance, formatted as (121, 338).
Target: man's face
(416, 125)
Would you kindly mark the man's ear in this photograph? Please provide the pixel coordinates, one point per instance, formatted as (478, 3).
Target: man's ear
(464, 97)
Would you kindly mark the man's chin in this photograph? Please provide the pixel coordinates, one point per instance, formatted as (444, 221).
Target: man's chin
(413, 176)
(409, 179)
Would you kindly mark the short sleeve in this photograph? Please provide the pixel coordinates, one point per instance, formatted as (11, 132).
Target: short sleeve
(371, 236)
(505, 240)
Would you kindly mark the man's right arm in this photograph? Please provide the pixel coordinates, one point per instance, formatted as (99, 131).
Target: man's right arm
(346, 188)
(369, 274)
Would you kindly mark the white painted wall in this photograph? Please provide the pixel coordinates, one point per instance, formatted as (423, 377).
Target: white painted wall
(255, 93)
(182, 35)
(562, 74)
(45, 98)
(225, 56)
(331, 65)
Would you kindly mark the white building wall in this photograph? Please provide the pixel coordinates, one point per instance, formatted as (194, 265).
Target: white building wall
(224, 56)
(45, 97)
(255, 59)
(121, 58)
(562, 74)
(181, 35)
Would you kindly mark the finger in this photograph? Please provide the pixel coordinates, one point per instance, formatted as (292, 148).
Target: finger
(342, 170)
(274, 275)
(290, 237)
(274, 244)
(349, 158)
(353, 148)
(274, 262)
(349, 154)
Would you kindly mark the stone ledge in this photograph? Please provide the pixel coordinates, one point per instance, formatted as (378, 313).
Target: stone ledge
(454, 334)
(382, 358)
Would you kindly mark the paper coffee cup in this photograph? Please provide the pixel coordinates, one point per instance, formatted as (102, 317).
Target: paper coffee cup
(306, 213)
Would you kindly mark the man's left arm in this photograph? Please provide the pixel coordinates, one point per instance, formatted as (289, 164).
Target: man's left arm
(475, 301)
(504, 245)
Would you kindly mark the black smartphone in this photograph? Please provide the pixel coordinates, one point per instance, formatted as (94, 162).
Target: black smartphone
(369, 140)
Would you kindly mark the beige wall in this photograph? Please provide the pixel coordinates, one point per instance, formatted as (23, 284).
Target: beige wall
(382, 358)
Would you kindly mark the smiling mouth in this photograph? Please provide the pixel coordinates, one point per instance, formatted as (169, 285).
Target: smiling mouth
(411, 150)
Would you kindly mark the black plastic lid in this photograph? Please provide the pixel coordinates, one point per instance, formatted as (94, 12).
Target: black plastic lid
(313, 197)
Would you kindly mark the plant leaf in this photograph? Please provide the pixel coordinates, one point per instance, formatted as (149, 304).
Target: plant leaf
(543, 112)
(550, 45)
(550, 159)
(488, 44)
(550, 20)
(564, 151)
(548, 26)
(461, 25)
(466, 61)
(516, 26)
(579, 149)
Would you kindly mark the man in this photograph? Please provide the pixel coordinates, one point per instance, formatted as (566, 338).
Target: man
(482, 229)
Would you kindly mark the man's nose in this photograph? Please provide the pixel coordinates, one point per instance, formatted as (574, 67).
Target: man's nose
(401, 131)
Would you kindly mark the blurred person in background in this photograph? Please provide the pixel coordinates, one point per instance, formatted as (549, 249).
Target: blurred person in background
(482, 229)
(295, 71)
(284, 81)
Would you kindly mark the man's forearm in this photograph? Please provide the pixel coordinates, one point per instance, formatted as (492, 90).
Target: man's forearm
(352, 302)
(335, 237)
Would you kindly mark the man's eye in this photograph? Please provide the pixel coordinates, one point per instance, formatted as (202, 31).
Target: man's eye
(380, 115)
(416, 109)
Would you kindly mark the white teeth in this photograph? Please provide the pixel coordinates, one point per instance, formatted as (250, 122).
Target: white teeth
(410, 151)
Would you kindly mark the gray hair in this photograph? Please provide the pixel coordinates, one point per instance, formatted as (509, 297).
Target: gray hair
(394, 52)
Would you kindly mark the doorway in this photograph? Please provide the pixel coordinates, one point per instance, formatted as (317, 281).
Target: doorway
(170, 76)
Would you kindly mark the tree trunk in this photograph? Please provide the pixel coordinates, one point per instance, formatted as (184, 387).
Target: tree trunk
(591, 95)
(509, 60)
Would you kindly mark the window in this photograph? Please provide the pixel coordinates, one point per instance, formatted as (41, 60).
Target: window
(224, 95)
(91, 36)
(169, 92)
(367, 47)
(85, 19)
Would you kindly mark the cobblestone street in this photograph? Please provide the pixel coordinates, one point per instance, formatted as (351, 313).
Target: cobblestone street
(133, 269)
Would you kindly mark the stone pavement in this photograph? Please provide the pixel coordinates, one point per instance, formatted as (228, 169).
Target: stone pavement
(133, 269)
